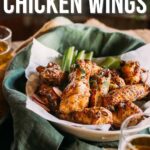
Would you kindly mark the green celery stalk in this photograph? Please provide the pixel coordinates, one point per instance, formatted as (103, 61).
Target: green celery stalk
(63, 60)
(75, 56)
(68, 58)
(81, 55)
(89, 56)
(111, 62)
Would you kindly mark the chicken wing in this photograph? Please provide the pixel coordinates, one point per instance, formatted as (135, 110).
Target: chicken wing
(94, 115)
(99, 84)
(116, 81)
(127, 93)
(123, 111)
(49, 96)
(76, 95)
(131, 72)
(83, 68)
(51, 74)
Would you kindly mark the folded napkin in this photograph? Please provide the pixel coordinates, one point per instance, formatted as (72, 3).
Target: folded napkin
(31, 132)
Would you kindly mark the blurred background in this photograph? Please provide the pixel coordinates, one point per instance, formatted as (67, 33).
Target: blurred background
(24, 26)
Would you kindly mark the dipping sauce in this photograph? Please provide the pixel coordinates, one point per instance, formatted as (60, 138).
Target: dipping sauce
(142, 147)
(141, 143)
(136, 142)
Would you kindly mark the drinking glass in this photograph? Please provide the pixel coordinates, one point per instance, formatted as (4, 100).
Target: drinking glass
(5, 34)
(5, 47)
(6, 54)
(135, 133)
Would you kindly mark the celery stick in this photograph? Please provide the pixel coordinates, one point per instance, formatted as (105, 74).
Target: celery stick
(81, 55)
(89, 56)
(63, 60)
(68, 59)
(75, 56)
(111, 62)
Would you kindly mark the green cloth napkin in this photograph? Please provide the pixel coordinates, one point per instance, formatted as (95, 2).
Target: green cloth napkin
(31, 132)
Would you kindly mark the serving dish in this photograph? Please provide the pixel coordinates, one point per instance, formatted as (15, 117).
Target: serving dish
(82, 37)
(38, 105)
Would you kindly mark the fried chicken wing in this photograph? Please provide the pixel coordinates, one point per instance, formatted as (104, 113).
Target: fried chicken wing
(94, 96)
(76, 95)
(131, 72)
(51, 74)
(83, 68)
(99, 83)
(127, 93)
(116, 81)
(49, 96)
(123, 111)
(94, 115)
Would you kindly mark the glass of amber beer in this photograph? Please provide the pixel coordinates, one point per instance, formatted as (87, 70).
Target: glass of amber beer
(5, 56)
(135, 133)
(5, 47)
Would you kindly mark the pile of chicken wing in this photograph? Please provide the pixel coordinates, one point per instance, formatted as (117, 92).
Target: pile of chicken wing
(90, 94)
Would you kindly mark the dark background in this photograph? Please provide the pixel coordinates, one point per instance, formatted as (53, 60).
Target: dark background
(24, 26)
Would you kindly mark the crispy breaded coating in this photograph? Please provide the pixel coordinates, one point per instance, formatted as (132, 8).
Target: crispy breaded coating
(116, 81)
(131, 72)
(92, 95)
(128, 93)
(49, 97)
(93, 116)
(76, 95)
(123, 111)
(51, 74)
(83, 67)
(99, 84)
